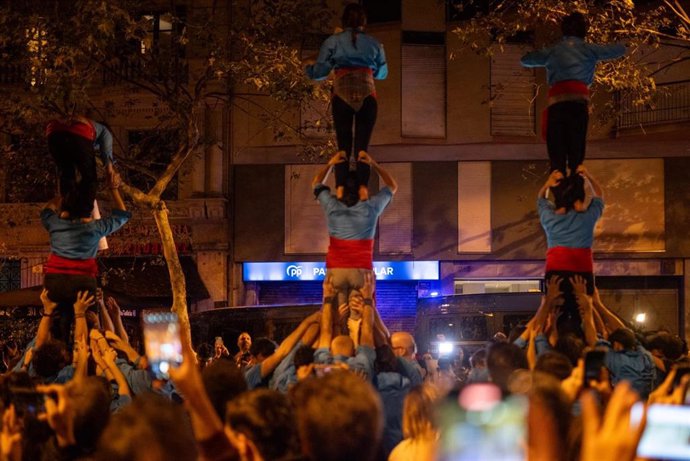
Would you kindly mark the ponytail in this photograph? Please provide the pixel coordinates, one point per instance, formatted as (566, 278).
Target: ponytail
(355, 18)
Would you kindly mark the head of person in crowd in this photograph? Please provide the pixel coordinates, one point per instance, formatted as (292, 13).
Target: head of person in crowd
(351, 193)
(574, 25)
(352, 427)
(555, 364)
(569, 194)
(478, 372)
(89, 399)
(304, 362)
(572, 346)
(261, 349)
(665, 345)
(50, 358)
(343, 345)
(205, 353)
(502, 360)
(549, 417)
(419, 413)
(223, 382)
(151, 428)
(386, 361)
(244, 342)
(404, 345)
(354, 16)
(263, 423)
(623, 339)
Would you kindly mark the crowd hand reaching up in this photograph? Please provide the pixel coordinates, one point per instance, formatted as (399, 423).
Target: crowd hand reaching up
(338, 157)
(666, 393)
(59, 413)
(612, 437)
(367, 289)
(553, 289)
(84, 300)
(554, 178)
(329, 290)
(11, 436)
(49, 305)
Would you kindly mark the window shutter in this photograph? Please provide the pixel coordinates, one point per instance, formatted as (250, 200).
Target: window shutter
(513, 90)
(424, 91)
(395, 224)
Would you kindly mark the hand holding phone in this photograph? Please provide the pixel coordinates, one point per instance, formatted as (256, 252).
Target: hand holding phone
(162, 342)
(594, 363)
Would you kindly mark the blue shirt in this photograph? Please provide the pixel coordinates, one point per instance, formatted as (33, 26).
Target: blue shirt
(337, 51)
(252, 375)
(74, 239)
(635, 366)
(571, 59)
(357, 222)
(362, 362)
(285, 374)
(573, 229)
(392, 387)
(103, 143)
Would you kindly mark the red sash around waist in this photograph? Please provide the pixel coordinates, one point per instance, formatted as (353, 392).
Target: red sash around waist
(566, 90)
(569, 259)
(85, 130)
(351, 254)
(59, 265)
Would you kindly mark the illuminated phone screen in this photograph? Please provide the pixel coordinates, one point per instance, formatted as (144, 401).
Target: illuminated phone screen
(667, 432)
(162, 342)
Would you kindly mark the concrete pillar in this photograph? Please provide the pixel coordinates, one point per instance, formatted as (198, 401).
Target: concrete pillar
(214, 150)
(213, 269)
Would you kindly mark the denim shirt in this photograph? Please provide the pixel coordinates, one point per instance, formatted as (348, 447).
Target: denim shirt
(572, 59)
(635, 366)
(337, 51)
(573, 229)
(357, 222)
(103, 143)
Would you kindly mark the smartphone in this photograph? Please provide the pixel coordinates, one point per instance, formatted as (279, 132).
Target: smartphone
(667, 432)
(482, 426)
(162, 341)
(594, 361)
(27, 401)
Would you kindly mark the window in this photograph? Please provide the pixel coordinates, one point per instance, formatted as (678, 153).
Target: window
(149, 154)
(423, 85)
(305, 223)
(382, 10)
(315, 116)
(472, 287)
(10, 274)
(513, 92)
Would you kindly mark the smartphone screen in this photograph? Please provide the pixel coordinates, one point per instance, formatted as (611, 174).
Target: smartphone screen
(162, 342)
(27, 401)
(667, 433)
(482, 426)
(594, 362)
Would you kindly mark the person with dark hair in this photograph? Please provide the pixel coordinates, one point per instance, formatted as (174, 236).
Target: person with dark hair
(223, 382)
(351, 228)
(479, 373)
(555, 364)
(244, 343)
(570, 66)
(502, 360)
(569, 228)
(350, 430)
(358, 59)
(263, 421)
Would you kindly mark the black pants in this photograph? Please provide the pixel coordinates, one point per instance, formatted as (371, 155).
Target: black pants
(569, 320)
(364, 121)
(566, 134)
(63, 289)
(74, 154)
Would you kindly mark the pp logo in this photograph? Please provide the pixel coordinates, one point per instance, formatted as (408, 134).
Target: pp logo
(293, 270)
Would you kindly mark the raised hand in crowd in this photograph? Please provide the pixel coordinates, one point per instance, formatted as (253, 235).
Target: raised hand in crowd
(11, 436)
(43, 333)
(83, 302)
(59, 413)
(669, 394)
(613, 436)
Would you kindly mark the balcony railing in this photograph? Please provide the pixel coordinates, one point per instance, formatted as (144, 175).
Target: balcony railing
(671, 104)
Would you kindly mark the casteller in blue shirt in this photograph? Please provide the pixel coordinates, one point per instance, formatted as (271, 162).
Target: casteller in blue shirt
(337, 52)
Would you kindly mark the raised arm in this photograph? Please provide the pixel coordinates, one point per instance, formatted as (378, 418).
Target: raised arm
(385, 176)
(43, 333)
(113, 187)
(84, 300)
(584, 303)
(116, 316)
(103, 315)
(553, 180)
(367, 290)
(597, 190)
(321, 175)
(271, 362)
(611, 321)
(329, 300)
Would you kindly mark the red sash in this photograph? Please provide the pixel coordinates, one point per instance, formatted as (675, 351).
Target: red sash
(561, 89)
(350, 254)
(85, 130)
(569, 259)
(59, 265)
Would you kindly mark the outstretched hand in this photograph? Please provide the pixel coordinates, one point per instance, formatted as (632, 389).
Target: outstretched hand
(11, 436)
(364, 157)
(84, 300)
(59, 413)
(329, 290)
(554, 178)
(338, 157)
(48, 304)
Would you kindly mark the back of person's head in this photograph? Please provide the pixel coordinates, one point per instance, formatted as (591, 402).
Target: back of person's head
(351, 192)
(569, 190)
(267, 419)
(386, 361)
(553, 420)
(262, 348)
(304, 355)
(343, 345)
(575, 25)
(624, 337)
(50, 358)
(502, 359)
(223, 382)
(572, 346)
(151, 428)
(204, 352)
(90, 398)
(339, 417)
(419, 412)
(555, 364)
(354, 16)
(670, 346)
(71, 203)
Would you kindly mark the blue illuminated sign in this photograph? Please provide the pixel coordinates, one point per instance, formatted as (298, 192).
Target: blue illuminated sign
(311, 271)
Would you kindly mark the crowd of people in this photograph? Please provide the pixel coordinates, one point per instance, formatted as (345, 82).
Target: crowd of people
(341, 386)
